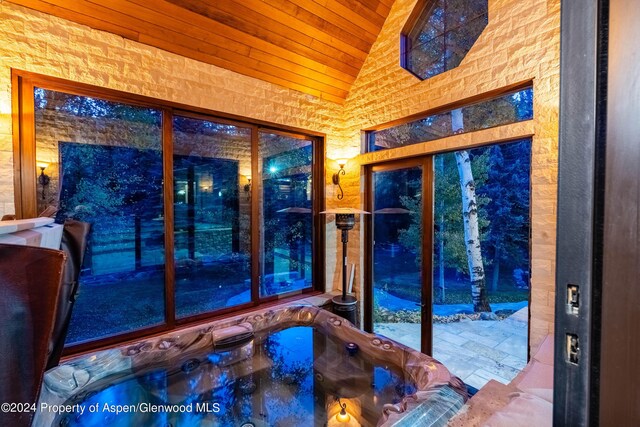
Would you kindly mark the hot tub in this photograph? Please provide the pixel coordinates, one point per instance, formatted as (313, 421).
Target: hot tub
(291, 366)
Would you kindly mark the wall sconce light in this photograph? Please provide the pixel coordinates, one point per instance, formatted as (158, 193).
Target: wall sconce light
(247, 187)
(43, 179)
(342, 416)
(336, 176)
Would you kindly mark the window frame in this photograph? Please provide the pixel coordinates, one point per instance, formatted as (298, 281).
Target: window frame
(368, 133)
(420, 10)
(25, 191)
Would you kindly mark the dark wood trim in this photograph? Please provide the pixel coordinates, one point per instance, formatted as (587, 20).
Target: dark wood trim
(169, 237)
(319, 203)
(427, 255)
(367, 291)
(210, 118)
(256, 202)
(465, 102)
(16, 97)
(398, 164)
(29, 204)
(415, 15)
(425, 163)
(583, 115)
(399, 153)
(619, 391)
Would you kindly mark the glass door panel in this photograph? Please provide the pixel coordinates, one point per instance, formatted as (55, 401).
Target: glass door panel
(481, 261)
(397, 254)
(285, 164)
(212, 210)
(104, 163)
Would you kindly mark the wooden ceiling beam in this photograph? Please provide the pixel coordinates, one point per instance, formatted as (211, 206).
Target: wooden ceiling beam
(285, 48)
(260, 14)
(319, 17)
(211, 38)
(349, 14)
(363, 9)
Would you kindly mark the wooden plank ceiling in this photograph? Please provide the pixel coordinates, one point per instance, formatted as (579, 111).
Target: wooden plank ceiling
(313, 46)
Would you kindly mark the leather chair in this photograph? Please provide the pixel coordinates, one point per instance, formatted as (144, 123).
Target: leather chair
(30, 281)
(74, 245)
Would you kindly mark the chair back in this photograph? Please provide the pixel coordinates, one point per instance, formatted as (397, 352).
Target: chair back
(30, 280)
(74, 245)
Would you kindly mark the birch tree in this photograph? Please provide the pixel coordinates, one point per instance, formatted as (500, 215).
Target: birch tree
(472, 233)
(470, 221)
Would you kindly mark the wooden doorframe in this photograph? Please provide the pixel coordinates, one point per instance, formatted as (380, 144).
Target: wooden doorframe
(426, 163)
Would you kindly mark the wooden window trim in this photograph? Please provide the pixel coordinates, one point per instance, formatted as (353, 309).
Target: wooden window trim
(25, 186)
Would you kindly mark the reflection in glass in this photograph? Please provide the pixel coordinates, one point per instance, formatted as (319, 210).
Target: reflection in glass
(285, 165)
(511, 108)
(211, 166)
(105, 163)
(397, 243)
(501, 174)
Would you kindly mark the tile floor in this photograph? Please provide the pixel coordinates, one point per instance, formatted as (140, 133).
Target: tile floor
(475, 351)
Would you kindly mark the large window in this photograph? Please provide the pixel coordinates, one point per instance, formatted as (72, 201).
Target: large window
(179, 229)
(508, 108)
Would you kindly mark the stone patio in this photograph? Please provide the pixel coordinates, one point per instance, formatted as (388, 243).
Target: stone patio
(475, 351)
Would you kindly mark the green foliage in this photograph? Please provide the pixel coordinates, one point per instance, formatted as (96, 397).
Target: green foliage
(93, 197)
(449, 224)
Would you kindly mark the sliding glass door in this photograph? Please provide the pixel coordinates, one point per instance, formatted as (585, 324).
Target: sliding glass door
(449, 260)
(399, 271)
(212, 215)
(481, 261)
(104, 164)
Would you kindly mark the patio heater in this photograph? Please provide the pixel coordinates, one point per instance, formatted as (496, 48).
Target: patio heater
(345, 305)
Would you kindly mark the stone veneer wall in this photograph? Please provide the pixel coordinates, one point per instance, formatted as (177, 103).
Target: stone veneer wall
(521, 42)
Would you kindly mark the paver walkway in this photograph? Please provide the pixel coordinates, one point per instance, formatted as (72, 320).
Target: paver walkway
(476, 351)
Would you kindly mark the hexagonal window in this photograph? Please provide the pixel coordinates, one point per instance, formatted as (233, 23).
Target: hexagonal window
(439, 33)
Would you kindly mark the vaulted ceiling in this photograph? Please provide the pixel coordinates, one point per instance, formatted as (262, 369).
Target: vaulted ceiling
(313, 46)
